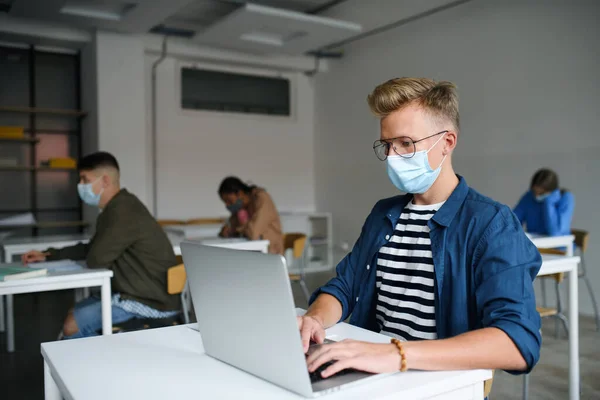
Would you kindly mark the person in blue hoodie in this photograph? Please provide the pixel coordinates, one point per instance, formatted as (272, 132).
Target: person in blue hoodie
(546, 209)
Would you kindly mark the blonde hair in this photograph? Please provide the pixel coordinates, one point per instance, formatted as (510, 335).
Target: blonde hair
(439, 99)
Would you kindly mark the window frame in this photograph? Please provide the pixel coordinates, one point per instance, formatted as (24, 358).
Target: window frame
(242, 71)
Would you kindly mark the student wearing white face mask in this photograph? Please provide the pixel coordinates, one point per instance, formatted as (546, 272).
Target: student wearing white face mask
(129, 241)
(546, 209)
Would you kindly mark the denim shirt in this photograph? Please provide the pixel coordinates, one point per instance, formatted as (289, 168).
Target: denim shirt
(484, 269)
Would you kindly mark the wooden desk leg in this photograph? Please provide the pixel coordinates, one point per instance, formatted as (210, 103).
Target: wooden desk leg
(2, 318)
(106, 308)
(10, 324)
(573, 335)
(51, 391)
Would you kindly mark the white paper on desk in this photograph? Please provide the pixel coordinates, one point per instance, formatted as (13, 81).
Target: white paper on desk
(218, 240)
(57, 266)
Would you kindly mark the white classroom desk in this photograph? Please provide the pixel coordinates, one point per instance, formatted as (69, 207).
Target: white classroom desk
(21, 245)
(553, 242)
(84, 278)
(170, 363)
(194, 231)
(227, 243)
(552, 264)
(17, 246)
(569, 265)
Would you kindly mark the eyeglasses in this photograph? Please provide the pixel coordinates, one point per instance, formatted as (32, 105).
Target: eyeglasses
(402, 146)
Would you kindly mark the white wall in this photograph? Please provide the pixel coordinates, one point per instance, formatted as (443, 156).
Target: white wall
(121, 108)
(527, 73)
(197, 149)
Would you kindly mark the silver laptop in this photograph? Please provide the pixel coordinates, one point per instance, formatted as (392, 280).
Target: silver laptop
(246, 316)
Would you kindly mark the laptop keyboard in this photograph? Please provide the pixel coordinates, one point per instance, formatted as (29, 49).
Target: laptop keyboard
(316, 375)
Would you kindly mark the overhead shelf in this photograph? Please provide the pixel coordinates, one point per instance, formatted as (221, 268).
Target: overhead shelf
(42, 131)
(39, 209)
(27, 168)
(48, 225)
(49, 111)
(19, 140)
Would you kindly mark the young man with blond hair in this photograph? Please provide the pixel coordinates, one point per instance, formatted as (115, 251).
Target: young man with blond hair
(443, 269)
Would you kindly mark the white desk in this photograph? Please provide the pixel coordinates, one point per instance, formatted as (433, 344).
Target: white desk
(227, 243)
(194, 231)
(553, 264)
(552, 242)
(17, 246)
(169, 363)
(58, 281)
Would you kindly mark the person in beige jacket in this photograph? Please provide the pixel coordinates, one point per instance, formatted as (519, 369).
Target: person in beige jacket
(253, 213)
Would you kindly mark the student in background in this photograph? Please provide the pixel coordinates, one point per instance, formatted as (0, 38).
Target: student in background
(253, 213)
(129, 241)
(546, 209)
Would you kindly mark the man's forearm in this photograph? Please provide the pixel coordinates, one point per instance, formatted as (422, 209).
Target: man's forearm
(326, 309)
(76, 252)
(488, 348)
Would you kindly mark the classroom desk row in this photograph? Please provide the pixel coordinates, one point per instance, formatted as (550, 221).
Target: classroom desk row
(152, 340)
(83, 279)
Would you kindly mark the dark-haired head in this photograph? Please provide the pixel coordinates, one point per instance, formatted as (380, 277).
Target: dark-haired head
(101, 171)
(544, 181)
(235, 193)
(97, 160)
(233, 185)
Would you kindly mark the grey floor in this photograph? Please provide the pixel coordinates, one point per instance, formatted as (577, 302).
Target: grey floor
(39, 318)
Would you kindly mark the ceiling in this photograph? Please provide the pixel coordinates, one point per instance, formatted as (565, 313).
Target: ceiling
(200, 14)
(144, 14)
(265, 26)
(280, 27)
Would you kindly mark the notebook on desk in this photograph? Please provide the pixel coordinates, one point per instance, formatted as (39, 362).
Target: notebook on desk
(57, 266)
(12, 272)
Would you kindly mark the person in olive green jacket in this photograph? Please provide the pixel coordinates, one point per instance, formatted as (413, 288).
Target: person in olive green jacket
(253, 213)
(129, 241)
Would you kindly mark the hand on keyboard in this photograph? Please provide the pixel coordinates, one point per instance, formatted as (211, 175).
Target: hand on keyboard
(316, 376)
(352, 354)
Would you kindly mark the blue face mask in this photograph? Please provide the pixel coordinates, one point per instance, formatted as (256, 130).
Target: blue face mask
(235, 207)
(540, 198)
(413, 175)
(87, 195)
